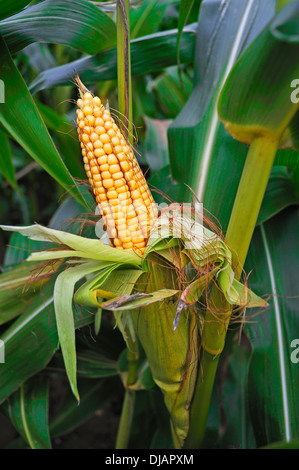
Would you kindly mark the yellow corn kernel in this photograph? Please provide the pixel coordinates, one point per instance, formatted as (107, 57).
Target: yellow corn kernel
(114, 168)
(117, 182)
(108, 183)
(112, 160)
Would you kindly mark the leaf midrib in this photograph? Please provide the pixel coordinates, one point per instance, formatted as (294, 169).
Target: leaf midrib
(279, 330)
(214, 123)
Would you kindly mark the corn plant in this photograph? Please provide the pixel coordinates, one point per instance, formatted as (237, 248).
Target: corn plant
(184, 301)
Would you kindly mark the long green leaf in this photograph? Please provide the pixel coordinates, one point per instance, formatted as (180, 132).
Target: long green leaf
(237, 432)
(20, 117)
(273, 377)
(149, 54)
(156, 151)
(66, 138)
(28, 410)
(184, 12)
(91, 248)
(63, 304)
(6, 165)
(23, 282)
(86, 294)
(36, 331)
(202, 154)
(78, 24)
(90, 365)
(146, 18)
(8, 8)
(280, 193)
(256, 98)
(19, 248)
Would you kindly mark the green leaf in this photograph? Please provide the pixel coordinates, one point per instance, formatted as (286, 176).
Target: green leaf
(19, 248)
(98, 319)
(63, 304)
(20, 117)
(148, 54)
(184, 12)
(28, 410)
(294, 444)
(280, 193)
(202, 154)
(109, 283)
(237, 428)
(66, 138)
(86, 294)
(146, 17)
(36, 331)
(174, 372)
(90, 365)
(273, 377)
(290, 138)
(162, 438)
(122, 281)
(8, 8)
(238, 294)
(6, 165)
(65, 213)
(78, 24)
(256, 98)
(172, 89)
(129, 302)
(87, 247)
(155, 146)
(25, 281)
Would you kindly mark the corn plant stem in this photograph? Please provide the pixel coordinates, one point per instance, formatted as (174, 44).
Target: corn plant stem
(132, 356)
(124, 427)
(125, 109)
(241, 226)
(249, 198)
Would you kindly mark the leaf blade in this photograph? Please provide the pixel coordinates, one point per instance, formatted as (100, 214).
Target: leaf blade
(80, 25)
(20, 117)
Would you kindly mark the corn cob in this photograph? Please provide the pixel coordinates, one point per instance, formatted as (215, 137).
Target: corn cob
(118, 184)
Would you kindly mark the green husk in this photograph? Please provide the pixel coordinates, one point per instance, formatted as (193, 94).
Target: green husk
(153, 298)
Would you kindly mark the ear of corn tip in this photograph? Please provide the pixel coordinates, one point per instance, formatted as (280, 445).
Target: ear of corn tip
(119, 187)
